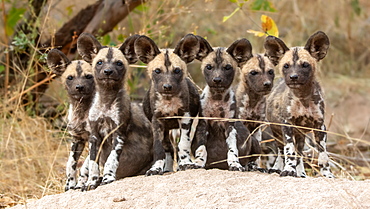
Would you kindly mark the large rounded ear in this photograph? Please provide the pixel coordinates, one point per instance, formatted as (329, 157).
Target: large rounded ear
(146, 49)
(128, 48)
(241, 51)
(57, 61)
(275, 49)
(88, 47)
(204, 48)
(187, 48)
(317, 45)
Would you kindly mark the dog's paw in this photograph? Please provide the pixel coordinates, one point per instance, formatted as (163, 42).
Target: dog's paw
(187, 167)
(274, 171)
(288, 173)
(107, 179)
(236, 167)
(153, 172)
(92, 184)
(326, 173)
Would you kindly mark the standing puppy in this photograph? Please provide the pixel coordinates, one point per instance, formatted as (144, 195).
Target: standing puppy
(297, 100)
(118, 128)
(77, 78)
(171, 93)
(215, 139)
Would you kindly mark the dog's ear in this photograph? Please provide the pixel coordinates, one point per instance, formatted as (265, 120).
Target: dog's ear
(88, 47)
(187, 48)
(128, 48)
(204, 48)
(57, 61)
(317, 45)
(145, 49)
(275, 49)
(241, 51)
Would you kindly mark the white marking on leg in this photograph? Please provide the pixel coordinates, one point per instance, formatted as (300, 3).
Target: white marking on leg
(84, 173)
(279, 162)
(112, 162)
(70, 171)
(233, 153)
(93, 173)
(185, 142)
(300, 168)
(290, 157)
(201, 156)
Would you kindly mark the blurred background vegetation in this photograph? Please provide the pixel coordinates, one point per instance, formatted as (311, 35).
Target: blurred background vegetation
(34, 144)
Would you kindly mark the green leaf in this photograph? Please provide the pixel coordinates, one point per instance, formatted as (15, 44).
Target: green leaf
(2, 68)
(14, 15)
(106, 40)
(356, 7)
(228, 17)
(263, 5)
(233, 1)
(142, 8)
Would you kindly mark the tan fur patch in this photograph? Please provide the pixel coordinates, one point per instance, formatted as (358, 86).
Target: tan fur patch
(71, 69)
(158, 62)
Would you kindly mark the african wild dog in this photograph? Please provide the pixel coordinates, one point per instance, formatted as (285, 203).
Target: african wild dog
(77, 78)
(171, 93)
(255, 83)
(119, 127)
(297, 100)
(216, 139)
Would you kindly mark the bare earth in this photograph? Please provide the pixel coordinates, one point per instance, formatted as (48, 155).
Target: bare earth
(216, 189)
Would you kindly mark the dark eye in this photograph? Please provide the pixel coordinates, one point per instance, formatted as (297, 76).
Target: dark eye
(99, 63)
(253, 72)
(88, 76)
(271, 72)
(119, 63)
(209, 67)
(70, 77)
(177, 70)
(157, 70)
(228, 67)
(286, 66)
(306, 65)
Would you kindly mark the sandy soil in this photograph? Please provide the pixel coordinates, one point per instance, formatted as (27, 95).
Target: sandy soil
(216, 189)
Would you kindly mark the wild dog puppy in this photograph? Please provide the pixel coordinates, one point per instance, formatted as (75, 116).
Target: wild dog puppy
(217, 139)
(171, 93)
(118, 128)
(77, 78)
(256, 81)
(297, 100)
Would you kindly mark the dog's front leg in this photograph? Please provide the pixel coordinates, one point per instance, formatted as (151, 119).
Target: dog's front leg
(158, 149)
(77, 147)
(323, 160)
(111, 165)
(185, 143)
(233, 153)
(84, 174)
(93, 180)
(199, 144)
(290, 162)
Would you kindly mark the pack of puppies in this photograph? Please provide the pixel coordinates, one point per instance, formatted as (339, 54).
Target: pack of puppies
(127, 139)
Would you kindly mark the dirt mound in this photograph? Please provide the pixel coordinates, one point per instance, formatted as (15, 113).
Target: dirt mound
(216, 189)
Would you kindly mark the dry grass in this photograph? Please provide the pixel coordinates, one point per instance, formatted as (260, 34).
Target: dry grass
(33, 152)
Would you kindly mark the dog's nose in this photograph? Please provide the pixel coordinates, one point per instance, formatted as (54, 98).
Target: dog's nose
(217, 80)
(108, 72)
(293, 77)
(167, 87)
(79, 87)
(267, 84)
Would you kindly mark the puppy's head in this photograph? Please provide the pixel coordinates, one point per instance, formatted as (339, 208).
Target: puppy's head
(77, 76)
(109, 64)
(167, 69)
(297, 64)
(219, 65)
(258, 74)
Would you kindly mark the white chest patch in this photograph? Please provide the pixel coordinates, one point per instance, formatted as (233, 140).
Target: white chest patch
(168, 107)
(98, 110)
